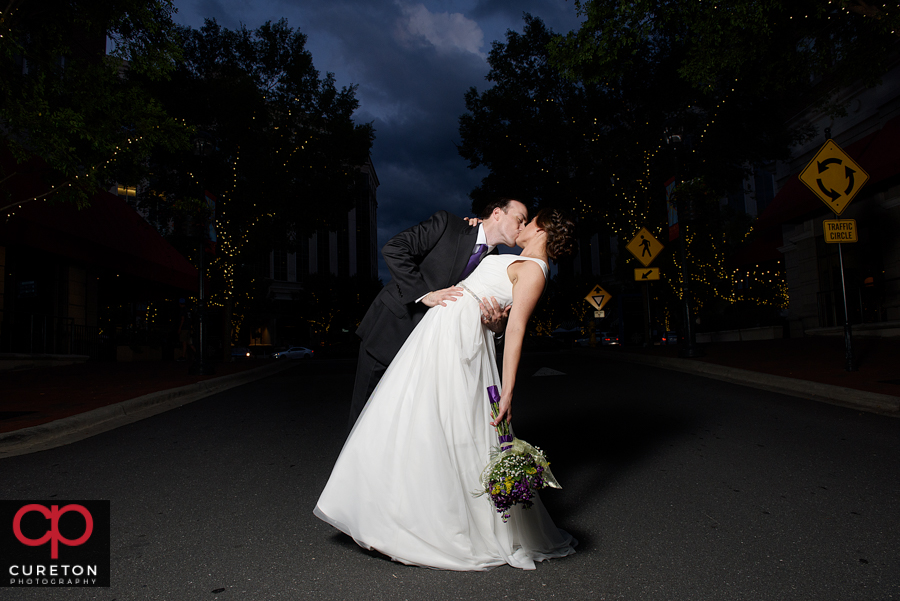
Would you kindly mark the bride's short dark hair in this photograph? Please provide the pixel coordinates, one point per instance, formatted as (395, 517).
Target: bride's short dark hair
(560, 232)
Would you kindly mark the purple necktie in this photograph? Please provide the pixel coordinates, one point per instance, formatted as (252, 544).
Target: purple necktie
(474, 260)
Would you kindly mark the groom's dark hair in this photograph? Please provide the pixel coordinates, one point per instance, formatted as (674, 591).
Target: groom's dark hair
(500, 203)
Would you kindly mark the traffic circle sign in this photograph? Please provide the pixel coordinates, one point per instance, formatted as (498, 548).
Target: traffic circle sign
(834, 177)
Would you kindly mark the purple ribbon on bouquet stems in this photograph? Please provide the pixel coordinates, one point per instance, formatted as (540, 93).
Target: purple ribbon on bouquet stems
(503, 427)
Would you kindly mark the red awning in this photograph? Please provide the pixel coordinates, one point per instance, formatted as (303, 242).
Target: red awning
(109, 234)
(878, 154)
(762, 249)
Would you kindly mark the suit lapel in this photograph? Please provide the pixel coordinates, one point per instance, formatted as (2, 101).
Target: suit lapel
(464, 248)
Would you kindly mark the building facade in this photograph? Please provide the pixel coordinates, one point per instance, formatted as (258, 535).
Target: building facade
(348, 252)
(870, 278)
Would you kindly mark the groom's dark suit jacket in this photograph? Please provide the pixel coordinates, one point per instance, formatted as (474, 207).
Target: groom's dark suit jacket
(428, 256)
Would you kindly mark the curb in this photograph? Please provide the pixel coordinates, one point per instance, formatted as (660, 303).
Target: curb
(90, 423)
(11, 361)
(873, 402)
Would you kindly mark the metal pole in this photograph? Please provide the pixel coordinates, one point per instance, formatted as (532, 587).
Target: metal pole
(685, 213)
(201, 310)
(848, 335)
(206, 367)
(647, 324)
(204, 145)
(689, 349)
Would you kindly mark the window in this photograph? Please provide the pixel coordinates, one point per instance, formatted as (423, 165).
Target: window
(736, 198)
(765, 189)
(279, 267)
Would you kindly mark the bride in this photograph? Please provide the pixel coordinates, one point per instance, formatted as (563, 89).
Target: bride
(404, 481)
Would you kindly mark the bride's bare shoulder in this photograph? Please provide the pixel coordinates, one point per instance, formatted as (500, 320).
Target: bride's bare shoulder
(525, 269)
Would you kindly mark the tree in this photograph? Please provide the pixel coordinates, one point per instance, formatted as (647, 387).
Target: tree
(597, 146)
(71, 114)
(285, 148)
(552, 140)
(738, 70)
(528, 129)
(781, 46)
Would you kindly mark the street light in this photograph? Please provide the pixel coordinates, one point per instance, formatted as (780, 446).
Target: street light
(686, 215)
(204, 145)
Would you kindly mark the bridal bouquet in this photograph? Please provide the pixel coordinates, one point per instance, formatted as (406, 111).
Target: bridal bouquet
(516, 470)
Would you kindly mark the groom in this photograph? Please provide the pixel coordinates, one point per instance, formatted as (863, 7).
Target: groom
(426, 262)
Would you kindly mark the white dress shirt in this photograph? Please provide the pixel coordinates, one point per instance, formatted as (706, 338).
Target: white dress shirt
(480, 239)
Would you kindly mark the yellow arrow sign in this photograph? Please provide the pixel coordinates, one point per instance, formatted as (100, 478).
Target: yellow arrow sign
(598, 297)
(834, 177)
(840, 230)
(644, 247)
(646, 274)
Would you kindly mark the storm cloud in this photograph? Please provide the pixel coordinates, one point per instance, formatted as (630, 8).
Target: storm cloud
(412, 62)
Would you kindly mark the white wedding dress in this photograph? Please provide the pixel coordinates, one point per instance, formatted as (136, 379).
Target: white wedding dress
(403, 482)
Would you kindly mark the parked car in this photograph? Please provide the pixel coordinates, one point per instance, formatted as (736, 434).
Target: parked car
(608, 338)
(669, 338)
(240, 353)
(295, 352)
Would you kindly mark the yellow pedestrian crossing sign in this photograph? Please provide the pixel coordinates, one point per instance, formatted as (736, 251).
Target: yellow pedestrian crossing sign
(644, 247)
(598, 297)
(834, 177)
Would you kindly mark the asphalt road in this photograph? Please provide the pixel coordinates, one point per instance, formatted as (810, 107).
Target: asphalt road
(677, 487)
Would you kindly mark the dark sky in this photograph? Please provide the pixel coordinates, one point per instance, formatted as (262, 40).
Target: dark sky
(413, 62)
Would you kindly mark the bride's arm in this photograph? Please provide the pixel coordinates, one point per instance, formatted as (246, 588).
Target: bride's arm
(528, 286)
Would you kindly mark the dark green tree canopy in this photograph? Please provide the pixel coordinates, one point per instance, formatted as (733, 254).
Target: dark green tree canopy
(69, 111)
(280, 151)
(730, 77)
(536, 131)
(286, 144)
(785, 54)
(597, 146)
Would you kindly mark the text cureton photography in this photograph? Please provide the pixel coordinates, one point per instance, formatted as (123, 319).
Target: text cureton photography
(54, 543)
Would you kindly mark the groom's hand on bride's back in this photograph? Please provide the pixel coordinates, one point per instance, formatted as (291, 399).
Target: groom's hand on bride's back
(439, 297)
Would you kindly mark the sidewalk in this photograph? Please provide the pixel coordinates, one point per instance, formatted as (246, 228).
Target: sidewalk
(812, 367)
(43, 407)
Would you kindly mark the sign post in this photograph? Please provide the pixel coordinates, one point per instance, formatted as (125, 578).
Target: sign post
(645, 247)
(597, 298)
(836, 179)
